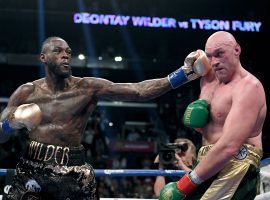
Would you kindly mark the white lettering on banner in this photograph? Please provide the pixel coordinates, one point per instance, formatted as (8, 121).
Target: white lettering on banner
(111, 171)
(170, 171)
(154, 22)
(183, 24)
(166, 22)
(87, 18)
(246, 26)
(208, 24)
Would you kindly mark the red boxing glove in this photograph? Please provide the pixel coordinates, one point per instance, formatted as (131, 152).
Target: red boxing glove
(189, 182)
(185, 185)
(180, 189)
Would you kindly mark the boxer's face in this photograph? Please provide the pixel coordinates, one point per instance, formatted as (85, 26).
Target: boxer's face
(222, 59)
(186, 156)
(57, 57)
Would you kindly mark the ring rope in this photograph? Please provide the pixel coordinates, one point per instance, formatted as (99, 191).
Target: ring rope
(126, 172)
(138, 172)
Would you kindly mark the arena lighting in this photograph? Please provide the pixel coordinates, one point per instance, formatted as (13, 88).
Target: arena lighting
(90, 46)
(81, 57)
(118, 58)
(131, 52)
(41, 31)
(129, 45)
(166, 22)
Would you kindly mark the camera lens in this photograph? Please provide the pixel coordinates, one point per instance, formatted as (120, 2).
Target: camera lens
(184, 147)
(167, 156)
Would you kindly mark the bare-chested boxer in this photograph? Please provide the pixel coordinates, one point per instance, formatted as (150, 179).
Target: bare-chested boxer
(228, 162)
(54, 166)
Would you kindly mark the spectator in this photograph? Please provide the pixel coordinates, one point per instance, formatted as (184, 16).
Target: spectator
(184, 160)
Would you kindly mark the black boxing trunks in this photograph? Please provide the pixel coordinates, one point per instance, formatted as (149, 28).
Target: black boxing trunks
(238, 180)
(53, 172)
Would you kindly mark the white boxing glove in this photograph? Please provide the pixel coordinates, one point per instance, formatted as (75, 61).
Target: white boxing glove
(25, 115)
(196, 64)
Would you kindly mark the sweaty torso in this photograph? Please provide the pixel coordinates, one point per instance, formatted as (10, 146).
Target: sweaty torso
(220, 98)
(64, 113)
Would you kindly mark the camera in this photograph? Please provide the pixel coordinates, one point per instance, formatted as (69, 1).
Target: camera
(167, 152)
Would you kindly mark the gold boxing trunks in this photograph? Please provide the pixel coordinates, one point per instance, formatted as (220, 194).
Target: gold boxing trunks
(239, 179)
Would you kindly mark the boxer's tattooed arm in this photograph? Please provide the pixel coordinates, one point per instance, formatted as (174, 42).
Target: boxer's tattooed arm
(16, 99)
(141, 91)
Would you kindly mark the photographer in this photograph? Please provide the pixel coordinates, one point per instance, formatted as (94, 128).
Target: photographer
(185, 157)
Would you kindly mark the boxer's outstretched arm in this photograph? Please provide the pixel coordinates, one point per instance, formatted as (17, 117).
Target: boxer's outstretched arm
(141, 91)
(195, 65)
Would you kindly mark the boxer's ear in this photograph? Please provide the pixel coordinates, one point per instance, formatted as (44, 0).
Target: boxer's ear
(42, 57)
(237, 49)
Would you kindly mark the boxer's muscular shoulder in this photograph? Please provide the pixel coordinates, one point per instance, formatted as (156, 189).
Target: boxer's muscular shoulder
(250, 84)
(22, 92)
(250, 88)
(27, 87)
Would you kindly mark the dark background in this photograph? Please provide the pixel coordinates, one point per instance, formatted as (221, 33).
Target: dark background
(147, 52)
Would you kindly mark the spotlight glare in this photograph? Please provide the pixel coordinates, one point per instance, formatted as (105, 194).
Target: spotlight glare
(81, 57)
(118, 58)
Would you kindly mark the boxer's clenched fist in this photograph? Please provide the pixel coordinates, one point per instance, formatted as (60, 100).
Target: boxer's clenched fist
(196, 64)
(25, 115)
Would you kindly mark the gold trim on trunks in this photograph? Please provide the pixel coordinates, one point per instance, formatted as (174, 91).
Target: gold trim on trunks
(229, 178)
